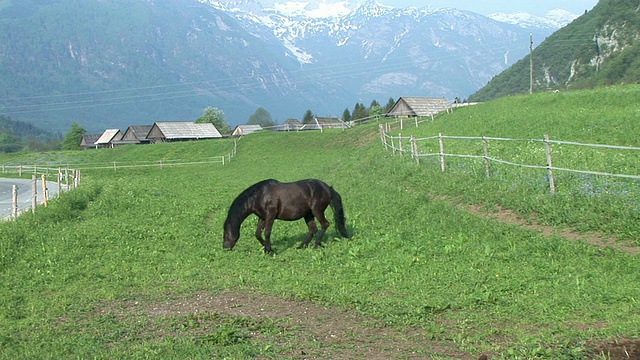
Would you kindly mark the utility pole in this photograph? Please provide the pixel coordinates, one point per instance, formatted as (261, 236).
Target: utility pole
(531, 63)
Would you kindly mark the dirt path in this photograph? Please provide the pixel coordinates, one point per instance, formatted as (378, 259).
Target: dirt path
(510, 217)
(317, 332)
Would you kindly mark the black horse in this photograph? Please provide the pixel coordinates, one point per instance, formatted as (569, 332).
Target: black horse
(271, 199)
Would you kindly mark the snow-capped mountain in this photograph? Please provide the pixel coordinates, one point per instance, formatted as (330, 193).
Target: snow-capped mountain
(287, 57)
(553, 20)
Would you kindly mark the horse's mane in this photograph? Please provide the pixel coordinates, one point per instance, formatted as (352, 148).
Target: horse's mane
(238, 206)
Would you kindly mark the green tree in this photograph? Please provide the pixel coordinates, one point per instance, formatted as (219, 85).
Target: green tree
(376, 111)
(9, 143)
(308, 117)
(216, 117)
(346, 115)
(261, 117)
(389, 105)
(359, 112)
(73, 138)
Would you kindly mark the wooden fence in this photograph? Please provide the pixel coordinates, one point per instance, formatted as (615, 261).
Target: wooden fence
(161, 164)
(65, 180)
(411, 145)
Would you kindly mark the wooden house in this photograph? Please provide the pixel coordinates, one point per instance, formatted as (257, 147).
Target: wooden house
(288, 125)
(89, 141)
(320, 123)
(181, 131)
(418, 107)
(242, 130)
(108, 138)
(135, 135)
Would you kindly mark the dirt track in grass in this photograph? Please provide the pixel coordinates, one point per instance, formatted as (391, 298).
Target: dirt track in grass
(311, 331)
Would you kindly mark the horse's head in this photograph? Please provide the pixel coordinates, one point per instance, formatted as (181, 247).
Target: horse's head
(230, 237)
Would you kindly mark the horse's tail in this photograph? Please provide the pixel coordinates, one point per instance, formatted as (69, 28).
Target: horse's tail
(338, 213)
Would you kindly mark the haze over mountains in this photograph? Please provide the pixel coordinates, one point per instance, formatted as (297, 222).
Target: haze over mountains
(123, 62)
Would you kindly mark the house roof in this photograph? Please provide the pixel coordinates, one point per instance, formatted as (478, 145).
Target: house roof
(289, 124)
(108, 136)
(89, 139)
(324, 123)
(245, 129)
(419, 106)
(137, 132)
(175, 130)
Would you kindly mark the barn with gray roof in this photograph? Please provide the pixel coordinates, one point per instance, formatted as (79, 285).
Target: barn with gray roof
(418, 107)
(136, 134)
(108, 137)
(182, 131)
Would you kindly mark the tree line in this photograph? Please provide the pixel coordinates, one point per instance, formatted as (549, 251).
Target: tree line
(21, 136)
(263, 118)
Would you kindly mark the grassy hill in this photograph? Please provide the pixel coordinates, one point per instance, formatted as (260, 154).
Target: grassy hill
(131, 264)
(599, 48)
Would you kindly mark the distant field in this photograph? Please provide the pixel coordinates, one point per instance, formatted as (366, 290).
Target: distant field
(131, 265)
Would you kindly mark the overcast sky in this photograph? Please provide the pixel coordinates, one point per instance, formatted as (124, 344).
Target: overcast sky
(537, 7)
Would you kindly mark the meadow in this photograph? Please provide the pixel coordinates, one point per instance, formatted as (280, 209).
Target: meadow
(131, 265)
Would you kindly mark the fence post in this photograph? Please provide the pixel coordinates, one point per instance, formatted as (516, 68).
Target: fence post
(552, 184)
(416, 119)
(487, 163)
(76, 178)
(442, 160)
(45, 190)
(19, 170)
(393, 146)
(401, 124)
(400, 143)
(34, 199)
(381, 128)
(414, 149)
(14, 201)
(59, 181)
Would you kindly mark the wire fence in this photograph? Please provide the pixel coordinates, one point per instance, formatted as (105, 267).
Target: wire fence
(62, 177)
(434, 146)
(24, 195)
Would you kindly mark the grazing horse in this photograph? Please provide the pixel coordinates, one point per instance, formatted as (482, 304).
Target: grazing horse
(271, 199)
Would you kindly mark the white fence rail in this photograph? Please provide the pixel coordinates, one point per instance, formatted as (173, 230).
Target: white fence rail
(412, 146)
(24, 195)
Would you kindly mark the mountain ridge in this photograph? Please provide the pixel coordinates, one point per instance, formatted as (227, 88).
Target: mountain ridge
(120, 63)
(600, 48)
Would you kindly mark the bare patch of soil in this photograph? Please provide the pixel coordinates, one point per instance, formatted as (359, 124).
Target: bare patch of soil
(510, 217)
(320, 332)
(325, 333)
(316, 332)
(619, 350)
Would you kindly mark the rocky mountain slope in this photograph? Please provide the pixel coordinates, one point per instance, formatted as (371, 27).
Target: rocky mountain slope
(123, 62)
(601, 47)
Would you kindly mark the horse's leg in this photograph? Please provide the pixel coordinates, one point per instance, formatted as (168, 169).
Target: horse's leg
(268, 224)
(259, 232)
(324, 225)
(311, 224)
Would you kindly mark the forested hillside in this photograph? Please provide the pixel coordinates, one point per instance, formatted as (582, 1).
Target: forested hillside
(120, 63)
(18, 135)
(602, 47)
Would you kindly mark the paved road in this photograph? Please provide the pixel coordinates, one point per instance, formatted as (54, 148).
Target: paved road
(25, 194)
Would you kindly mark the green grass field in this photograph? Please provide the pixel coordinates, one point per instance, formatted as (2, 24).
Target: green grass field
(130, 264)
